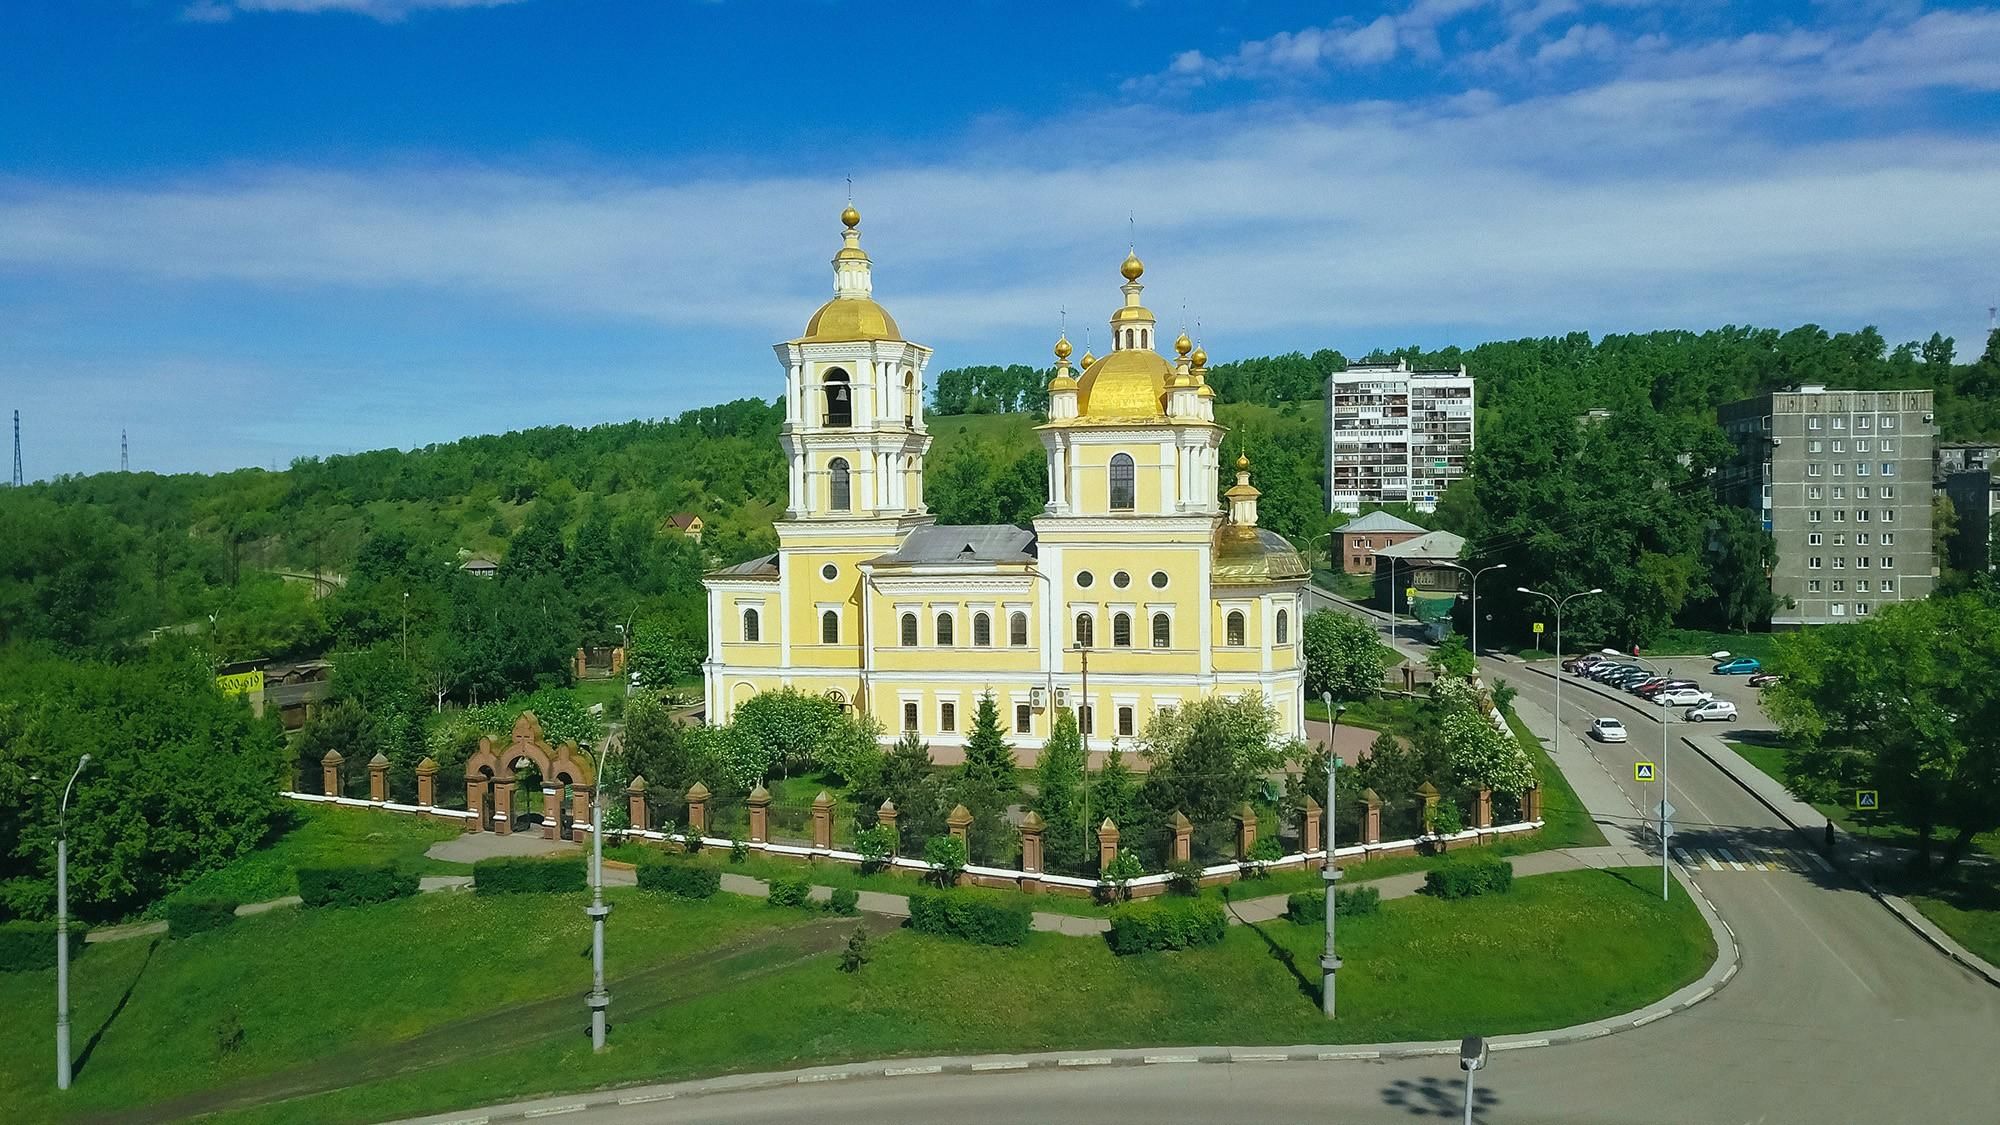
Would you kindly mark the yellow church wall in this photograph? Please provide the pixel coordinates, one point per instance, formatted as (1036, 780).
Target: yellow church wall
(1093, 463)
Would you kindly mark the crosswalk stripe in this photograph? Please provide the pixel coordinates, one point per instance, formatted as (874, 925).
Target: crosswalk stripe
(1709, 859)
(1728, 858)
(1818, 861)
(1756, 858)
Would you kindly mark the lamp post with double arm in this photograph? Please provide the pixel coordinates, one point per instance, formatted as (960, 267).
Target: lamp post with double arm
(1666, 719)
(1472, 580)
(1329, 962)
(62, 929)
(1555, 736)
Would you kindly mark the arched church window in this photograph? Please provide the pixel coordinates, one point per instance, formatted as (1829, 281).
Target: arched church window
(839, 399)
(982, 630)
(1163, 631)
(750, 624)
(944, 629)
(909, 398)
(1284, 628)
(842, 484)
(1085, 634)
(909, 630)
(829, 628)
(1121, 630)
(1017, 628)
(1121, 482)
(1232, 628)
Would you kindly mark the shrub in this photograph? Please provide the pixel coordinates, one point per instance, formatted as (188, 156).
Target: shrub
(1468, 878)
(528, 875)
(846, 901)
(1263, 852)
(973, 917)
(739, 849)
(193, 915)
(1184, 878)
(1308, 908)
(946, 855)
(1165, 925)
(873, 845)
(1447, 819)
(229, 1032)
(690, 838)
(856, 954)
(32, 945)
(1114, 883)
(682, 880)
(791, 890)
(355, 884)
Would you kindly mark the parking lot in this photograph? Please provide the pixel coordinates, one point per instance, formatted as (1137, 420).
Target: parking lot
(1751, 719)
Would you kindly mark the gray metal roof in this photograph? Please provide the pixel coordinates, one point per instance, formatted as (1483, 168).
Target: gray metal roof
(1378, 522)
(764, 566)
(971, 543)
(1436, 545)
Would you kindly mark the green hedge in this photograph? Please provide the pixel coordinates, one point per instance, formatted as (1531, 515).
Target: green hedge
(355, 884)
(32, 945)
(1164, 924)
(791, 890)
(846, 901)
(186, 917)
(508, 875)
(682, 880)
(1469, 878)
(1308, 908)
(969, 916)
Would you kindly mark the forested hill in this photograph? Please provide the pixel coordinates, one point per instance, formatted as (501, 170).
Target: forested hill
(96, 561)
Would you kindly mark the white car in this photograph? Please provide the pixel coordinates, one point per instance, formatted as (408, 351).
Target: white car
(1715, 710)
(1682, 697)
(1607, 730)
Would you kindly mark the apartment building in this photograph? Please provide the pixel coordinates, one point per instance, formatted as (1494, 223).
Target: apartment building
(1396, 435)
(1842, 481)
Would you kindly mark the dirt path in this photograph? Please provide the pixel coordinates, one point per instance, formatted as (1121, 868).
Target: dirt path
(519, 1025)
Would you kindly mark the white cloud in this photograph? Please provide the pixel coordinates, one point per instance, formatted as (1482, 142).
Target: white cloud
(386, 11)
(1346, 42)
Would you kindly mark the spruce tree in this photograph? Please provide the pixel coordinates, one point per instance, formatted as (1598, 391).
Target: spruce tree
(1114, 796)
(1060, 778)
(985, 785)
(988, 758)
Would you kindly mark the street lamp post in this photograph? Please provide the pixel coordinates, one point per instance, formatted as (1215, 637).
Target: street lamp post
(62, 929)
(1471, 1057)
(1555, 736)
(599, 999)
(1473, 581)
(1666, 718)
(1329, 962)
(1086, 718)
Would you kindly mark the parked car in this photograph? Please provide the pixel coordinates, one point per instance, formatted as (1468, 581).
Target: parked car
(1605, 671)
(1713, 711)
(1683, 697)
(1584, 663)
(1628, 677)
(1637, 686)
(1607, 730)
(1738, 666)
(1763, 679)
(1652, 690)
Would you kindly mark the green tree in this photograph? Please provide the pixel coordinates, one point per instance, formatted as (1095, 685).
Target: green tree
(660, 654)
(1059, 778)
(1907, 703)
(1342, 656)
(987, 755)
(1481, 757)
(1114, 796)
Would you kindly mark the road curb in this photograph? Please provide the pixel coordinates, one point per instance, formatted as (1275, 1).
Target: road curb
(1900, 909)
(1719, 974)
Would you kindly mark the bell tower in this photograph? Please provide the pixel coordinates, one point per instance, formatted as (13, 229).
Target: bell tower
(854, 432)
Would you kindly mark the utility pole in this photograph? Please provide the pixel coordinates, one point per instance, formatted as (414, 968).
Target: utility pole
(62, 930)
(1329, 962)
(599, 999)
(1086, 716)
(17, 449)
(124, 454)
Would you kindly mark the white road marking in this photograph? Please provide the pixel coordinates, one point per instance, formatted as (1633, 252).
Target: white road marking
(1818, 860)
(1756, 858)
(1260, 1058)
(1335, 1056)
(1173, 1059)
(1709, 859)
(1728, 858)
(1096, 1060)
(894, 1071)
(552, 1111)
(1520, 1043)
(805, 1078)
(643, 1099)
(1000, 1066)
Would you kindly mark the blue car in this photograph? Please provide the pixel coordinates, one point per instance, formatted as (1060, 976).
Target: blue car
(1739, 666)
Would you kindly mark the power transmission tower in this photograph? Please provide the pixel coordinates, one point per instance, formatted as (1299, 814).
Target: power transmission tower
(124, 456)
(17, 449)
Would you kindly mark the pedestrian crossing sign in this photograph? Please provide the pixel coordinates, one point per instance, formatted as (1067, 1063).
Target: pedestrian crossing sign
(1538, 627)
(1642, 771)
(1867, 799)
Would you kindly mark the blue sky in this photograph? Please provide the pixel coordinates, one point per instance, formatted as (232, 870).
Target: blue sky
(248, 230)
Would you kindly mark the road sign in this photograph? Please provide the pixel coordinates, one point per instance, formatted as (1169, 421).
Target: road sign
(1867, 800)
(1538, 628)
(1410, 593)
(1642, 771)
(1664, 810)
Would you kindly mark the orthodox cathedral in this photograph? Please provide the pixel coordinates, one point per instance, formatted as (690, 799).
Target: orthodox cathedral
(1142, 584)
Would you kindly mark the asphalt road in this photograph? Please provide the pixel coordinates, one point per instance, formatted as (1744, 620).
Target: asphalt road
(1839, 1013)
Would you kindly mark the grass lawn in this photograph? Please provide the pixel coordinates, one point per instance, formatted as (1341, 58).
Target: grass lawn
(1558, 950)
(1699, 642)
(307, 985)
(328, 835)
(1967, 908)
(1881, 829)
(1395, 713)
(1565, 822)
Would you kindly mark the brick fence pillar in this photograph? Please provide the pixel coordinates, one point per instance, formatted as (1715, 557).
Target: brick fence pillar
(1246, 831)
(1183, 829)
(503, 805)
(378, 778)
(885, 817)
(475, 803)
(551, 811)
(1531, 803)
(427, 783)
(759, 803)
(1031, 849)
(959, 823)
(1482, 810)
(1107, 844)
(698, 808)
(1371, 817)
(635, 803)
(329, 774)
(582, 665)
(1428, 793)
(823, 821)
(1309, 839)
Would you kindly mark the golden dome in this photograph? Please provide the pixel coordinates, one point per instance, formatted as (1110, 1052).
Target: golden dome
(1242, 460)
(851, 318)
(850, 218)
(1132, 267)
(1253, 556)
(1199, 357)
(1204, 391)
(1062, 347)
(1062, 382)
(1182, 344)
(1125, 384)
(1087, 359)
